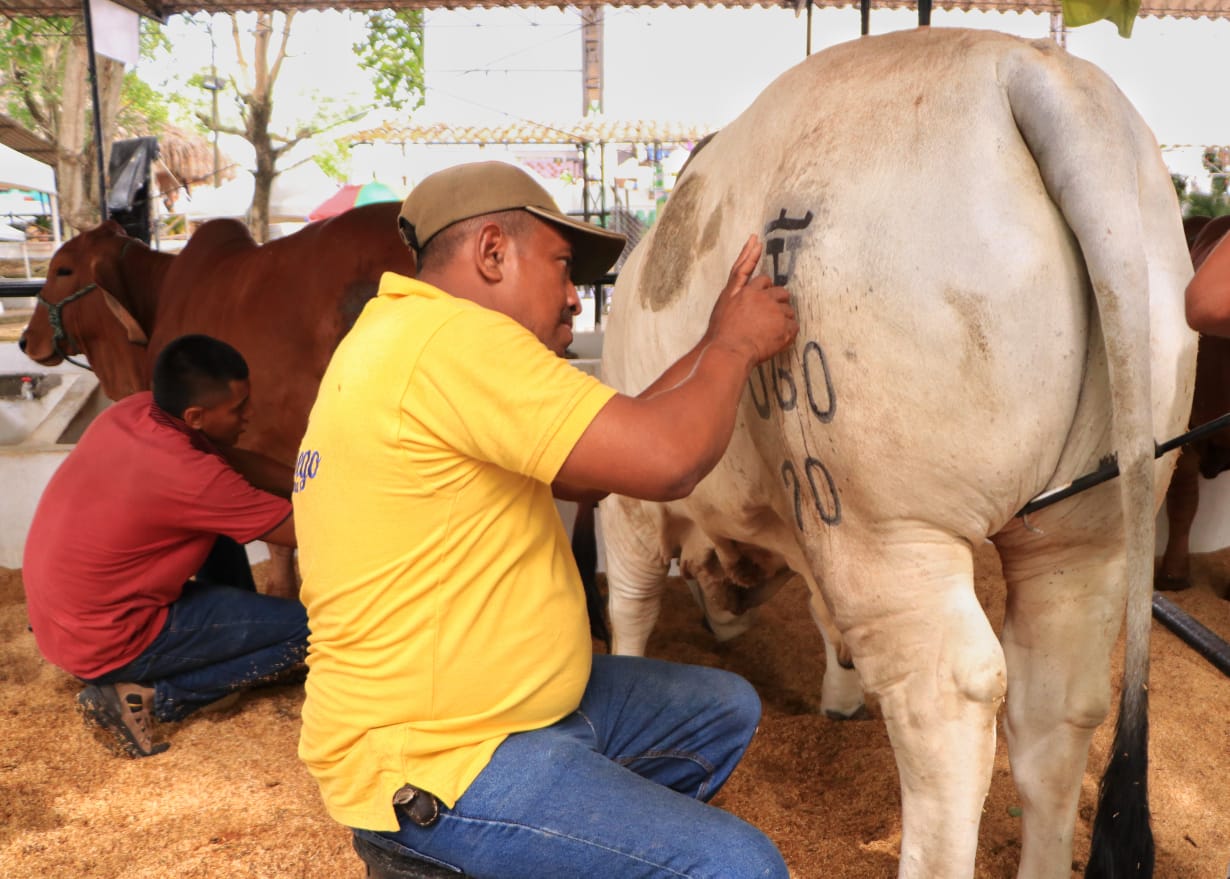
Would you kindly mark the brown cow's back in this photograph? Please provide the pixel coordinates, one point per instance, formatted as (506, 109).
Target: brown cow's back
(285, 305)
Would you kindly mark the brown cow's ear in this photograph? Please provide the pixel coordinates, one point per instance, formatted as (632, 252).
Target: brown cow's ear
(136, 335)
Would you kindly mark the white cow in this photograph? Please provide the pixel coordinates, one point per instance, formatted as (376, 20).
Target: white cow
(988, 265)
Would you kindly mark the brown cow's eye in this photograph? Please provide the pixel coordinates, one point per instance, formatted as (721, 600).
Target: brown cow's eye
(61, 271)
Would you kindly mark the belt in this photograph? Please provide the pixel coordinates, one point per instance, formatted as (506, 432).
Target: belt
(417, 805)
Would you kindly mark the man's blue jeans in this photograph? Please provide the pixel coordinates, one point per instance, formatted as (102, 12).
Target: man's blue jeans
(616, 790)
(216, 640)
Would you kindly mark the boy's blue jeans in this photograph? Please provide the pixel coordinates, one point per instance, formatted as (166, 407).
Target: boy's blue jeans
(216, 640)
(616, 790)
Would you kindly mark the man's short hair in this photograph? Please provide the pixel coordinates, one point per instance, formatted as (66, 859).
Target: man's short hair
(193, 368)
(444, 245)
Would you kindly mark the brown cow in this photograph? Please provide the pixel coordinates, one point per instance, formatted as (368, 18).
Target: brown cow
(1207, 457)
(284, 305)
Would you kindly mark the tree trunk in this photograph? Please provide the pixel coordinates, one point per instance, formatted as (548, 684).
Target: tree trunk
(78, 206)
(261, 75)
(73, 134)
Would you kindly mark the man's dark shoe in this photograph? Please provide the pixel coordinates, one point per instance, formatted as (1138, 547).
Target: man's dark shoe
(122, 711)
(383, 863)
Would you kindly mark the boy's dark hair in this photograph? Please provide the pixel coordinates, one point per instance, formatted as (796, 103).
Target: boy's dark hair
(190, 369)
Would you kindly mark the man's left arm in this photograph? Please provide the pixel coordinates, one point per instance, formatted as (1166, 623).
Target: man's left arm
(263, 472)
(1208, 293)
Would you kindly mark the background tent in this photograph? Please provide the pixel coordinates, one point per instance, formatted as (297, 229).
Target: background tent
(19, 171)
(295, 193)
(353, 195)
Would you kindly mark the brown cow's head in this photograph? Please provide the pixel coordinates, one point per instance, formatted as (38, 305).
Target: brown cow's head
(85, 308)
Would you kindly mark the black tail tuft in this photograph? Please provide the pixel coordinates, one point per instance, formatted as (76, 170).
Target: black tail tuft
(1122, 846)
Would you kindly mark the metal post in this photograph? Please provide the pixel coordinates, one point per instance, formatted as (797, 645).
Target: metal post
(1059, 30)
(586, 212)
(591, 60)
(810, 5)
(864, 14)
(98, 141)
(214, 87)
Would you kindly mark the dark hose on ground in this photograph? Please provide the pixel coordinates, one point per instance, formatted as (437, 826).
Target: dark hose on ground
(1204, 641)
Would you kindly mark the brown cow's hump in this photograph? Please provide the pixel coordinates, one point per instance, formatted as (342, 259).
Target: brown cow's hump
(220, 233)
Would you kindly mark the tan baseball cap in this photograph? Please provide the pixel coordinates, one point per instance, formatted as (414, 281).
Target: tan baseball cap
(470, 190)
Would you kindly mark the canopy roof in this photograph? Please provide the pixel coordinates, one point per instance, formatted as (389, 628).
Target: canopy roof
(18, 171)
(15, 136)
(591, 129)
(162, 9)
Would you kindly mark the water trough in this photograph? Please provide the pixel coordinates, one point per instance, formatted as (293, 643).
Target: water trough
(43, 412)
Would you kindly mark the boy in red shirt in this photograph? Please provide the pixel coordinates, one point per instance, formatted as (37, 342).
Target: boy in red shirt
(122, 528)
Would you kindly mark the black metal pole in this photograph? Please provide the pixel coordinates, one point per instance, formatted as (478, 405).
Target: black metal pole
(98, 141)
(810, 4)
(1110, 468)
(864, 15)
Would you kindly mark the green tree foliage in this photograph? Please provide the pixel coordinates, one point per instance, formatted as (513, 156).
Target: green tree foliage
(393, 53)
(31, 62)
(1216, 202)
(43, 62)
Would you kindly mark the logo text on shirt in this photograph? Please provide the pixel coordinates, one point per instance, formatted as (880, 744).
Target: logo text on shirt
(305, 468)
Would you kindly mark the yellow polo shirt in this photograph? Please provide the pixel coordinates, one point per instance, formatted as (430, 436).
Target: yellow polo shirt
(444, 602)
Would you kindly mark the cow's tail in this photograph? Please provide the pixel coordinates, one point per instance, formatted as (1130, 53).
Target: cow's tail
(1089, 145)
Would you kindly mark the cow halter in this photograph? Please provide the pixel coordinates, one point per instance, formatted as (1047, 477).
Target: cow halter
(57, 323)
(58, 332)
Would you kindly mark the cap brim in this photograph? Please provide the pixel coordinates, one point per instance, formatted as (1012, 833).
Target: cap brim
(594, 249)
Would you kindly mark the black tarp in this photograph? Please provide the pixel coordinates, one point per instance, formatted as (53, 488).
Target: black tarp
(128, 199)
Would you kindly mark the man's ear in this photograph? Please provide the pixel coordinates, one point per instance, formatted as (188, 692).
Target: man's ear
(194, 416)
(491, 252)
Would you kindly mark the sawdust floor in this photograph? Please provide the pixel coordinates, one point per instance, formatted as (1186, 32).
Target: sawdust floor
(230, 799)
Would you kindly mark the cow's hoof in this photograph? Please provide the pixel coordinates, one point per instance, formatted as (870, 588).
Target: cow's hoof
(859, 713)
(1168, 583)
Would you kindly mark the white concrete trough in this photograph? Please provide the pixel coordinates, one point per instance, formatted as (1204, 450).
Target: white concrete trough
(43, 412)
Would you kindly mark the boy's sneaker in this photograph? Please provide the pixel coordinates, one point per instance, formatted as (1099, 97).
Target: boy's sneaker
(122, 711)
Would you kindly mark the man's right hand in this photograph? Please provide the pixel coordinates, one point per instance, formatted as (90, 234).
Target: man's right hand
(752, 316)
(658, 445)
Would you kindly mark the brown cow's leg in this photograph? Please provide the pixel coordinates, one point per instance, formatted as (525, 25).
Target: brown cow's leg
(1182, 498)
(283, 581)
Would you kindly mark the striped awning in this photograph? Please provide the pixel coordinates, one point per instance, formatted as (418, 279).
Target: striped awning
(590, 129)
(161, 9)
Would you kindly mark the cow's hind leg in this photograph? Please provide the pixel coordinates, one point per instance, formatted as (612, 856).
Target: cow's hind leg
(904, 602)
(283, 581)
(1063, 613)
(635, 575)
(841, 692)
(1182, 499)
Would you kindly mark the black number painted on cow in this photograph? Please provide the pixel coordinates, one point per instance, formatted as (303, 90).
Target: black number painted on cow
(830, 398)
(829, 513)
(815, 368)
(775, 247)
(762, 405)
(781, 378)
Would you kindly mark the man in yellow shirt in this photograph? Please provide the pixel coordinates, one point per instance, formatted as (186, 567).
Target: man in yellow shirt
(455, 711)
